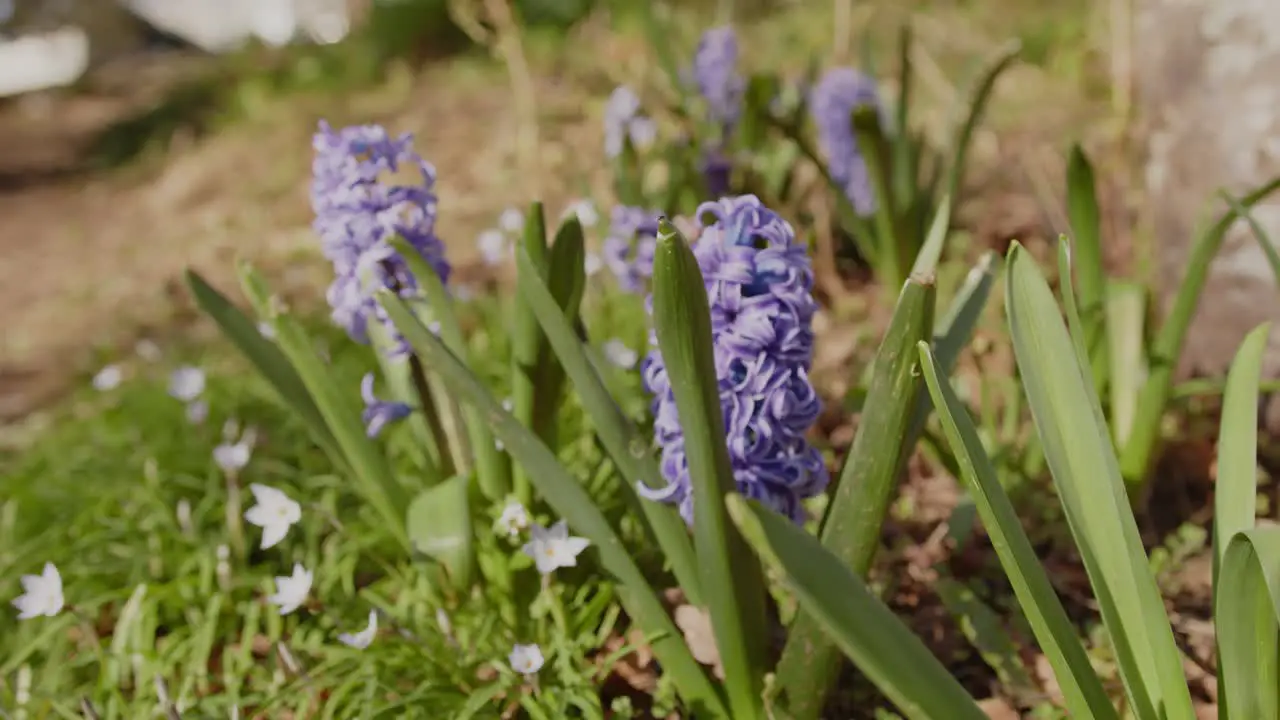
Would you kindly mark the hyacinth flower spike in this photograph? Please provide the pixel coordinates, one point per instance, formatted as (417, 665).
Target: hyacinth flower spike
(759, 285)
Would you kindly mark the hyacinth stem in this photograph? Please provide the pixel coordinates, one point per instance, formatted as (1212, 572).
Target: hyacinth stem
(527, 343)
(493, 469)
(895, 251)
(732, 579)
(431, 414)
(566, 277)
(429, 408)
(851, 528)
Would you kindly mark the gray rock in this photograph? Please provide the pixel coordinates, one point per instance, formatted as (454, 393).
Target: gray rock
(1209, 89)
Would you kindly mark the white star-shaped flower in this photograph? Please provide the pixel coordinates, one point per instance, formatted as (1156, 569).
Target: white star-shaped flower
(362, 639)
(585, 210)
(275, 513)
(492, 245)
(41, 594)
(197, 412)
(292, 591)
(232, 457)
(619, 354)
(108, 378)
(526, 659)
(186, 383)
(266, 330)
(553, 548)
(511, 220)
(514, 518)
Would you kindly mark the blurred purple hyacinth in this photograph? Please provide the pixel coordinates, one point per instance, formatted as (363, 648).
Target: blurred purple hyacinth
(759, 283)
(623, 120)
(379, 413)
(356, 214)
(629, 247)
(715, 73)
(832, 102)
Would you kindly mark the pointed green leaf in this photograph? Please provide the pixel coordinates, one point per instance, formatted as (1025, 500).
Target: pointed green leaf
(628, 447)
(439, 524)
(731, 579)
(1078, 449)
(855, 516)
(1090, 275)
(1082, 692)
(999, 62)
(1259, 233)
(1167, 345)
(1126, 330)
(567, 497)
(1236, 491)
(267, 358)
(853, 618)
(337, 404)
(1248, 622)
(926, 261)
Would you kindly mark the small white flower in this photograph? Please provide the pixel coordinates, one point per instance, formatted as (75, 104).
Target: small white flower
(197, 412)
(232, 457)
(361, 639)
(266, 330)
(108, 378)
(463, 292)
(511, 220)
(593, 264)
(186, 383)
(147, 350)
(183, 512)
(619, 354)
(643, 132)
(526, 659)
(492, 245)
(292, 591)
(514, 518)
(41, 594)
(553, 548)
(585, 210)
(275, 513)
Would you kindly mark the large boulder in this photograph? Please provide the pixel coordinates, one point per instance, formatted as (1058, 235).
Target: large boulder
(1209, 90)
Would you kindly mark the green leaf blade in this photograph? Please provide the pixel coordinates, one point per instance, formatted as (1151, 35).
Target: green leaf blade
(732, 581)
(855, 516)
(1248, 622)
(857, 622)
(1078, 449)
(1083, 693)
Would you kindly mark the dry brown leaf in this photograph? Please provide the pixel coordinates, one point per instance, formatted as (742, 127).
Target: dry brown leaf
(998, 709)
(695, 624)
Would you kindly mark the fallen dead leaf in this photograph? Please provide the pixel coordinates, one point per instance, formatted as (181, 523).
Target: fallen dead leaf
(695, 624)
(998, 709)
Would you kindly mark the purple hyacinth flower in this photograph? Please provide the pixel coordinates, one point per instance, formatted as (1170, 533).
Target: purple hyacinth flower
(356, 214)
(715, 74)
(717, 170)
(832, 102)
(630, 245)
(379, 413)
(759, 283)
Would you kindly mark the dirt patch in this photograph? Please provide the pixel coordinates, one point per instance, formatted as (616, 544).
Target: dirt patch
(85, 259)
